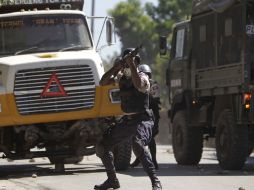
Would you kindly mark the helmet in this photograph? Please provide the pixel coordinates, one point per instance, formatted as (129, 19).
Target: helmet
(145, 69)
(128, 50)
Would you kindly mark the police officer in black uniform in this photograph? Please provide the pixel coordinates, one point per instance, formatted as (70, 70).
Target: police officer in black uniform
(154, 105)
(137, 124)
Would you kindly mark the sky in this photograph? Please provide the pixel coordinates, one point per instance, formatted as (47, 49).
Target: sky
(101, 9)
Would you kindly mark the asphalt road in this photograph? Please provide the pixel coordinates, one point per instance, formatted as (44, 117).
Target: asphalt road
(40, 175)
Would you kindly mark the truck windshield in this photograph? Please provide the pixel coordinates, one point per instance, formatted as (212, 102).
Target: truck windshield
(43, 33)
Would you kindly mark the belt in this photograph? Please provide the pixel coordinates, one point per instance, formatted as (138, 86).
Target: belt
(134, 115)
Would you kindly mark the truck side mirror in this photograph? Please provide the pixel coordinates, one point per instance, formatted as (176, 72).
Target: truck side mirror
(163, 45)
(109, 32)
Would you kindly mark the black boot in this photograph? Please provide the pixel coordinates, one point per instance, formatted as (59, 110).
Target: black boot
(108, 184)
(111, 182)
(156, 185)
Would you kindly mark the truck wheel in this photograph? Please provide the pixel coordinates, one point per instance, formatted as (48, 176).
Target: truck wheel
(250, 141)
(231, 142)
(65, 160)
(250, 147)
(73, 160)
(187, 141)
(122, 155)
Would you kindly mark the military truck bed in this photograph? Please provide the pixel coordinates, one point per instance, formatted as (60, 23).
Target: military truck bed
(220, 63)
(219, 80)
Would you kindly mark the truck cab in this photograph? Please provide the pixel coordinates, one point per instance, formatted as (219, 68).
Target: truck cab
(178, 74)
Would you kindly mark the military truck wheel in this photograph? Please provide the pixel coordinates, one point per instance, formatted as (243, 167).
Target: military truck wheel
(231, 142)
(122, 155)
(187, 141)
(250, 141)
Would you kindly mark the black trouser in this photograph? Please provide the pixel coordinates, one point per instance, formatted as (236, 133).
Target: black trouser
(139, 129)
(152, 148)
(152, 144)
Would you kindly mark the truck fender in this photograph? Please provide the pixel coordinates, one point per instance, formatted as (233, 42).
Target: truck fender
(181, 100)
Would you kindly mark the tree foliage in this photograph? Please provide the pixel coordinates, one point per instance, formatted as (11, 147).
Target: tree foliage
(165, 15)
(134, 27)
(168, 12)
(136, 24)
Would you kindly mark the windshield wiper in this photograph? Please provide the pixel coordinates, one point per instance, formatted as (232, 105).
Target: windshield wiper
(73, 48)
(25, 50)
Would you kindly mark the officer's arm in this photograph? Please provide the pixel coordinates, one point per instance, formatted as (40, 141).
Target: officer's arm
(108, 77)
(136, 79)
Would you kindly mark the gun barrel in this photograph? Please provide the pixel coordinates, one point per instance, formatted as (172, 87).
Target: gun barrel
(133, 53)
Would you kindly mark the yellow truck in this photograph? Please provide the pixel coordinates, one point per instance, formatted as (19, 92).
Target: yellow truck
(50, 98)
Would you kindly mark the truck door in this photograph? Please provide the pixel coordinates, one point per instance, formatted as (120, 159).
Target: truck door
(179, 69)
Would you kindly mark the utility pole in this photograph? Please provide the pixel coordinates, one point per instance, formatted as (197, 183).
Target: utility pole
(92, 21)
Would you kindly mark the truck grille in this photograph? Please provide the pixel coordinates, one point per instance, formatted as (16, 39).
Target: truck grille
(77, 81)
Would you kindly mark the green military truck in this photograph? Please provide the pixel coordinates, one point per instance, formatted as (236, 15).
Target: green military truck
(211, 82)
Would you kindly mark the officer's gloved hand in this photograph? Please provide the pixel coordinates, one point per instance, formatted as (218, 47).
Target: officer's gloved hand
(118, 63)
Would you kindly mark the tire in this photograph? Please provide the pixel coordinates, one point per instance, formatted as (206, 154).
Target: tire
(187, 141)
(250, 141)
(231, 142)
(74, 160)
(65, 160)
(122, 155)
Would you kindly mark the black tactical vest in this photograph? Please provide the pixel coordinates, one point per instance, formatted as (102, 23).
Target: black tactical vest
(132, 100)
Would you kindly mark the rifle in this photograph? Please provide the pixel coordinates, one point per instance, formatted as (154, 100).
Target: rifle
(133, 53)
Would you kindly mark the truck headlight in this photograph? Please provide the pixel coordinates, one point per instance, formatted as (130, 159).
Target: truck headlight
(114, 95)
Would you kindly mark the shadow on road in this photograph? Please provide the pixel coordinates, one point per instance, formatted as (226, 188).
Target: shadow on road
(22, 171)
(27, 170)
(200, 170)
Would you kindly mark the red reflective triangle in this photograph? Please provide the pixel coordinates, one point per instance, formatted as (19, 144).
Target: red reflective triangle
(47, 89)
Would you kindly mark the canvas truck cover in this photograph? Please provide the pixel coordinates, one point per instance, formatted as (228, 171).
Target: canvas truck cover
(200, 6)
(8, 6)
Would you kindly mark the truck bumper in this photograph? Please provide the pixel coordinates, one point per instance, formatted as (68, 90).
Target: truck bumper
(103, 107)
